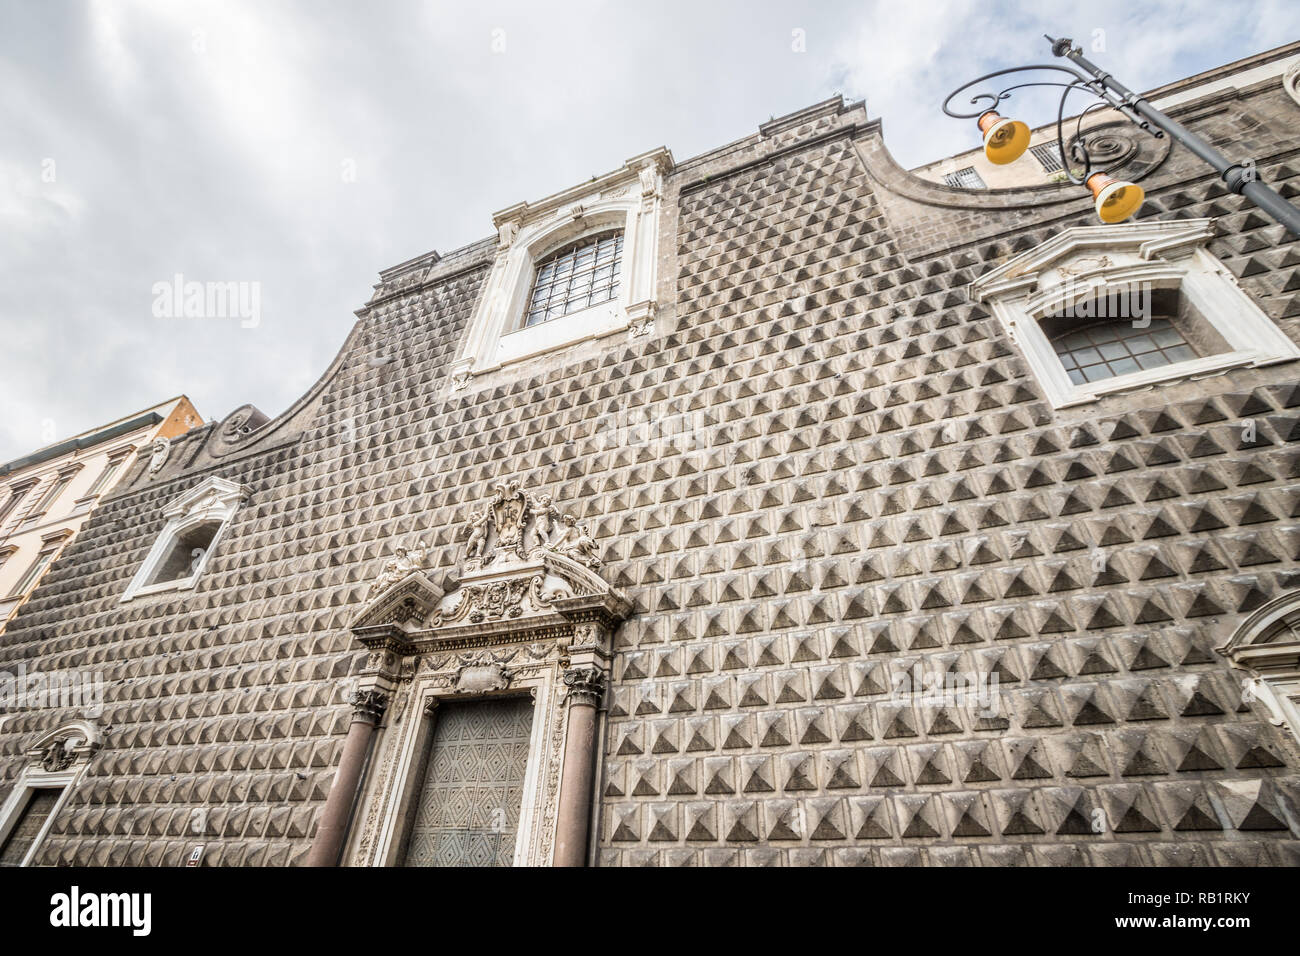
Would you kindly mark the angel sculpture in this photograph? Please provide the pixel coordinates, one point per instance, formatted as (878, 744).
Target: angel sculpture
(576, 543)
(478, 533)
(403, 563)
(543, 512)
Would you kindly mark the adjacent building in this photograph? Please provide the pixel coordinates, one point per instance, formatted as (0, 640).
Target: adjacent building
(772, 506)
(46, 497)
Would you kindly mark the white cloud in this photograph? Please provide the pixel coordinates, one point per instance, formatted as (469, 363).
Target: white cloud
(208, 138)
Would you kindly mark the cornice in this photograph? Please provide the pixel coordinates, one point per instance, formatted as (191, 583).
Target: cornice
(524, 212)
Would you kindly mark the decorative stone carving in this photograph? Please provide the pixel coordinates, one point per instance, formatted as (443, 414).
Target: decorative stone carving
(403, 605)
(57, 757)
(242, 422)
(1083, 265)
(237, 429)
(405, 561)
(509, 509)
(368, 704)
(506, 233)
(586, 685)
(59, 749)
(573, 541)
(158, 455)
(518, 526)
(525, 604)
(588, 636)
(649, 175)
(460, 380)
(499, 599)
(1291, 81)
(482, 678)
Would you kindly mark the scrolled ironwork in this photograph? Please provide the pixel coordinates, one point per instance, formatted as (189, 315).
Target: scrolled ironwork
(1078, 153)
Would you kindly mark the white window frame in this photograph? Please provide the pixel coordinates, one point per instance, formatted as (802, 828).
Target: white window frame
(1273, 667)
(628, 199)
(213, 499)
(81, 739)
(1092, 261)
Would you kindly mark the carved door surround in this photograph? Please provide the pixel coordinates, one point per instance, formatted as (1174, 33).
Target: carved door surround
(55, 761)
(526, 614)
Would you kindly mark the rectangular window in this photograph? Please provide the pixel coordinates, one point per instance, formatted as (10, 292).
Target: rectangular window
(16, 494)
(1048, 156)
(32, 819)
(965, 179)
(51, 494)
(34, 572)
(105, 479)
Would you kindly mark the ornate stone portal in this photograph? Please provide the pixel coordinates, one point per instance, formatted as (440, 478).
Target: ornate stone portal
(525, 616)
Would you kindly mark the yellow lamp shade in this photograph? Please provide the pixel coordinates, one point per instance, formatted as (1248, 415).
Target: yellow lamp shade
(1115, 199)
(1005, 140)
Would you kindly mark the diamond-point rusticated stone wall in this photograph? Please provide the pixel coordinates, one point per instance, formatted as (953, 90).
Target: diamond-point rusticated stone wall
(826, 464)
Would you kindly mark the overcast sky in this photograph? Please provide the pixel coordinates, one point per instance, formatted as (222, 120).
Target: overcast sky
(303, 146)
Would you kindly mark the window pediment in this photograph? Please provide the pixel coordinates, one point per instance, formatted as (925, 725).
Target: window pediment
(1266, 647)
(1083, 253)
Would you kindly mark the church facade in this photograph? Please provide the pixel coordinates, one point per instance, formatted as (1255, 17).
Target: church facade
(775, 506)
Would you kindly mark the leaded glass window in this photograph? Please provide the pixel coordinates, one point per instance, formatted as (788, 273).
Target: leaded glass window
(1110, 348)
(576, 277)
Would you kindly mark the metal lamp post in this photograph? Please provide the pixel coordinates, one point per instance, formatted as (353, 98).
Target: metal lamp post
(1006, 140)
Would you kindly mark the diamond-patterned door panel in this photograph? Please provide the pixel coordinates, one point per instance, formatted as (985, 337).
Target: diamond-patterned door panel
(39, 806)
(468, 812)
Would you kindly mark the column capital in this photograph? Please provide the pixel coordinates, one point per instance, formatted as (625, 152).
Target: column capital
(368, 705)
(586, 685)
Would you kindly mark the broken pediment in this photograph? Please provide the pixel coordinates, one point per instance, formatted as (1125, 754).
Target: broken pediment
(517, 589)
(526, 568)
(1077, 254)
(402, 606)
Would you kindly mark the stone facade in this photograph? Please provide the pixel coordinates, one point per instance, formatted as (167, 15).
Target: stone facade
(825, 467)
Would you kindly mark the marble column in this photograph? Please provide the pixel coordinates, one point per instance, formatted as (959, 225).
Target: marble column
(586, 687)
(367, 710)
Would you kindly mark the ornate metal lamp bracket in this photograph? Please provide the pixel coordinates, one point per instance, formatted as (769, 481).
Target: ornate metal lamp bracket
(1079, 81)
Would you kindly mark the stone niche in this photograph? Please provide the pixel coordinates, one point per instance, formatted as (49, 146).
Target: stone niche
(525, 614)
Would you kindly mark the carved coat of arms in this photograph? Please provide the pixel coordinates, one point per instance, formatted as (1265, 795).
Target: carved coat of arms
(515, 525)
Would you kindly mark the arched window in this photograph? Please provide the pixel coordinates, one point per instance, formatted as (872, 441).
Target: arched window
(580, 275)
(195, 522)
(569, 272)
(1266, 648)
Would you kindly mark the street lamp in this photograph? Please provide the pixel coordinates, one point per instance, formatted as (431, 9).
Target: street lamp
(1005, 140)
